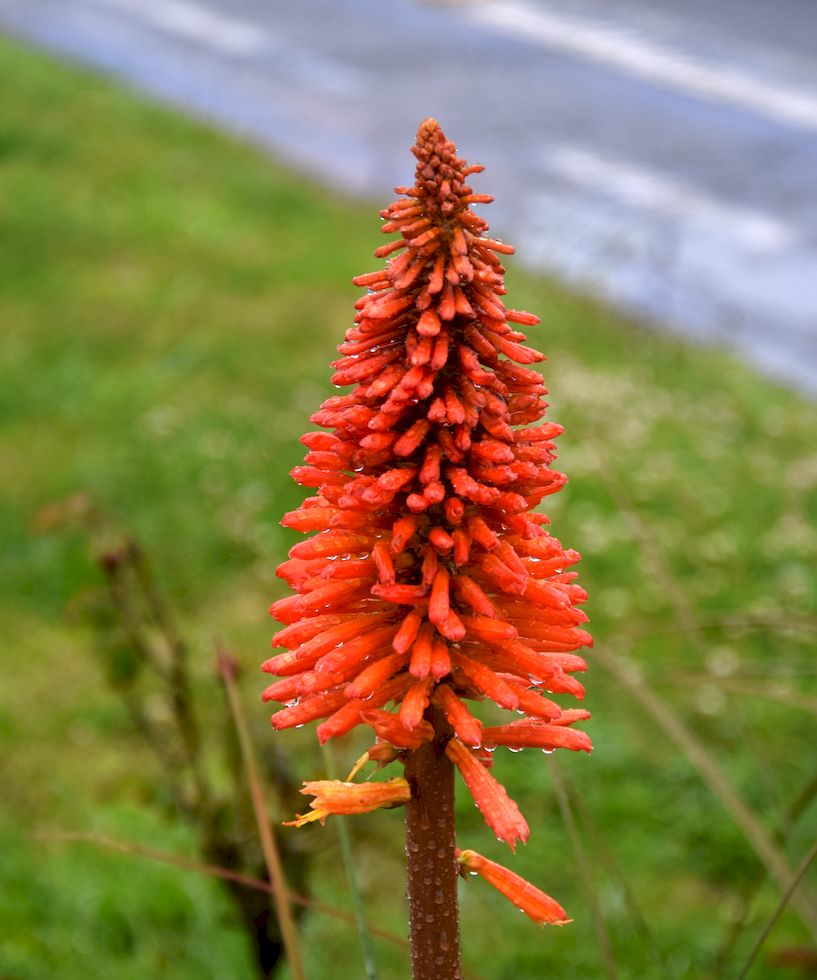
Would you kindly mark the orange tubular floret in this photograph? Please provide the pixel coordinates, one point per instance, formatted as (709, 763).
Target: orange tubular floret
(536, 905)
(537, 734)
(334, 796)
(467, 728)
(390, 728)
(499, 810)
(415, 703)
(371, 677)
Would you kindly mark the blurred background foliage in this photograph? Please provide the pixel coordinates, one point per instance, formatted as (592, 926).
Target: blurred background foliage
(171, 300)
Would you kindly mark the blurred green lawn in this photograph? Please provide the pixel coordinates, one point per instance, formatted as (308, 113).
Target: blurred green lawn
(170, 300)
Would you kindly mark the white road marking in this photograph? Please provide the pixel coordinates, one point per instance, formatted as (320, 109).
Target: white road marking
(195, 22)
(644, 58)
(649, 189)
(228, 35)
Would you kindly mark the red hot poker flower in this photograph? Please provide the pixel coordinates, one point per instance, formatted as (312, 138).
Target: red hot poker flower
(430, 580)
(429, 561)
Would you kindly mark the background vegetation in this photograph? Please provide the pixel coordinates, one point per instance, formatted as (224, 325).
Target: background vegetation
(170, 302)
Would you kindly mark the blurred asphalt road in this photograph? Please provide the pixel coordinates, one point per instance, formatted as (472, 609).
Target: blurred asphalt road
(663, 154)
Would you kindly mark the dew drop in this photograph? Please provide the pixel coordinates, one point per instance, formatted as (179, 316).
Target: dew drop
(429, 917)
(548, 751)
(514, 748)
(301, 725)
(475, 873)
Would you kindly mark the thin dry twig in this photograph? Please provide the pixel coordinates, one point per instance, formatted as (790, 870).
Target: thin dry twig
(785, 621)
(213, 870)
(272, 857)
(596, 914)
(369, 965)
(794, 811)
(749, 687)
(788, 892)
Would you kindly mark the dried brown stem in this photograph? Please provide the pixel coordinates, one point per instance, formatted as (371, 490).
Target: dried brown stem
(432, 864)
(269, 847)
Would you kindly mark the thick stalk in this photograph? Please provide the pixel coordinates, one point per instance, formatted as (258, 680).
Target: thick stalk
(432, 864)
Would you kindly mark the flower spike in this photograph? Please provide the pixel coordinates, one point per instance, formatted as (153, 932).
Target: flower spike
(428, 579)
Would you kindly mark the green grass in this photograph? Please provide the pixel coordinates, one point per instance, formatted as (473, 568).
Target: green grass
(170, 300)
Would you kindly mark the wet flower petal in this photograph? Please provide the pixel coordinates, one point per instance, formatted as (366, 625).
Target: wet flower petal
(536, 905)
(335, 796)
(500, 812)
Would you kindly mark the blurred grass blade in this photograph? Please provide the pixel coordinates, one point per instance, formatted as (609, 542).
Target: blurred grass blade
(753, 830)
(351, 876)
(272, 857)
(798, 876)
(607, 858)
(794, 811)
(654, 558)
(213, 870)
(596, 914)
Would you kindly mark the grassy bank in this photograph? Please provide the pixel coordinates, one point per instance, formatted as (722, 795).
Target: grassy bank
(170, 301)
